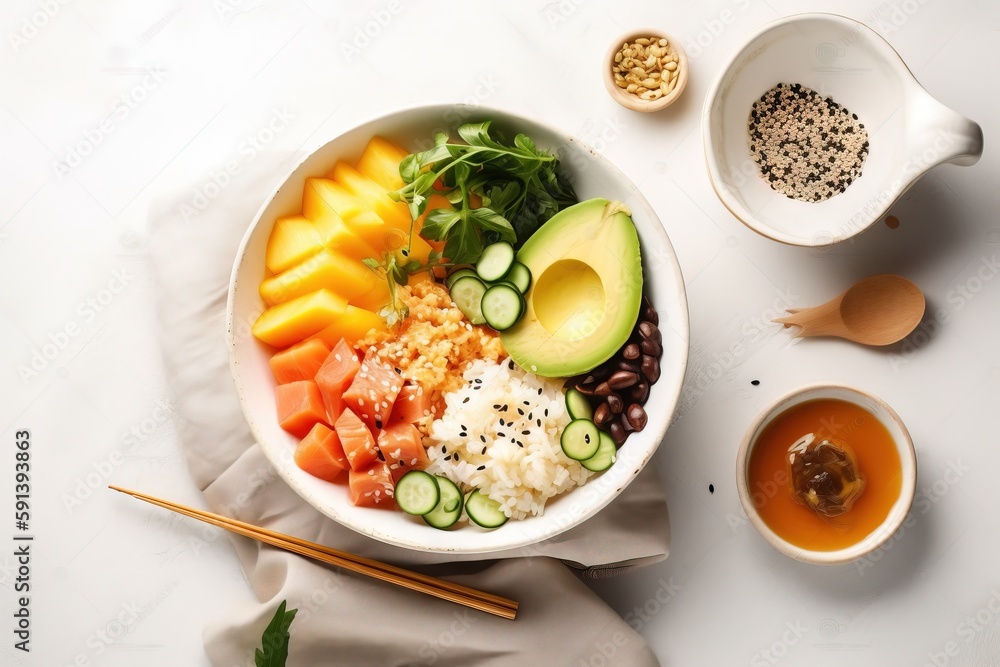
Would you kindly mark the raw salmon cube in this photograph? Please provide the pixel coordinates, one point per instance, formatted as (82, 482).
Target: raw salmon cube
(357, 441)
(335, 376)
(299, 362)
(300, 407)
(320, 453)
(373, 391)
(402, 449)
(411, 405)
(372, 487)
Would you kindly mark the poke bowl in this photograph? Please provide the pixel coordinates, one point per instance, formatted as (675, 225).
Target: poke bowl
(422, 401)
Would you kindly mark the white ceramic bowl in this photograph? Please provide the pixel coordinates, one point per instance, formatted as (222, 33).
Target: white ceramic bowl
(909, 131)
(907, 457)
(592, 176)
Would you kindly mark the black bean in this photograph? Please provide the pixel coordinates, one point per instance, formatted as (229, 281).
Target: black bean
(631, 351)
(651, 347)
(586, 390)
(617, 433)
(649, 331)
(602, 414)
(649, 314)
(615, 403)
(622, 380)
(640, 393)
(650, 368)
(626, 424)
(602, 389)
(630, 366)
(636, 417)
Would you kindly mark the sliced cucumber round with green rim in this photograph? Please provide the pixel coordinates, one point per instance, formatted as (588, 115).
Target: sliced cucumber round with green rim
(459, 273)
(467, 293)
(449, 507)
(578, 405)
(580, 439)
(520, 276)
(495, 261)
(417, 493)
(606, 454)
(484, 511)
(502, 306)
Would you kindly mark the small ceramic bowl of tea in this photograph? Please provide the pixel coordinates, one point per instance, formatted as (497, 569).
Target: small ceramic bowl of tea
(827, 473)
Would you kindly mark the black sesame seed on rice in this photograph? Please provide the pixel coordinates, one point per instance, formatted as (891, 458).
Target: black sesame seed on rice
(481, 468)
(807, 147)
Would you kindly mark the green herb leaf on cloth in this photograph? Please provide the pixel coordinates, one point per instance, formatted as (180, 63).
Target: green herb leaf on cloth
(274, 642)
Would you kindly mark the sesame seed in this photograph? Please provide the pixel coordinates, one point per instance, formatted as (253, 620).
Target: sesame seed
(481, 468)
(807, 147)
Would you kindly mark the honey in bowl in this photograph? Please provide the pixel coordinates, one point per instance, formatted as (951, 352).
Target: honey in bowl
(861, 456)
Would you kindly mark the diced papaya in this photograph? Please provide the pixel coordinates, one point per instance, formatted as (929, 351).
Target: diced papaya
(402, 448)
(352, 325)
(372, 487)
(293, 239)
(335, 376)
(411, 405)
(373, 391)
(299, 362)
(292, 321)
(356, 439)
(331, 270)
(320, 453)
(380, 163)
(374, 196)
(300, 407)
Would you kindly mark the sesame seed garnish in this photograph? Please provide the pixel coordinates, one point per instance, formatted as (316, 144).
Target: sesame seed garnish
(807, 147)
(465, 400)
(481, 468)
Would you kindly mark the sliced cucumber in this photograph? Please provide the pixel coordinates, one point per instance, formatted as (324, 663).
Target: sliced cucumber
(459, 273)
(502, 306)
(580, 439)
(495, 261)
(577, 405)
(449, 507)
(606, 454)
(467, 293)
(484, 511)
(520, 276)
(417, 493)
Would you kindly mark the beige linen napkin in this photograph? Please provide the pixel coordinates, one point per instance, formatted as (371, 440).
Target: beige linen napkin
(346, 619)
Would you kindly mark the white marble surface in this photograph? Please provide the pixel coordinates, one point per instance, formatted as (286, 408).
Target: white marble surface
(107, 103)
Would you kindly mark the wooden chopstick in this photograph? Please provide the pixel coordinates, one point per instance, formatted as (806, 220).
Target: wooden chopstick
(446, 590)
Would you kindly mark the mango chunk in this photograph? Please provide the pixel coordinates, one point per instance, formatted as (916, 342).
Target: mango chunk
(374, 196)
(292, 321)
(328, 269)
(380, 163)
(353, 325)
(293, 239)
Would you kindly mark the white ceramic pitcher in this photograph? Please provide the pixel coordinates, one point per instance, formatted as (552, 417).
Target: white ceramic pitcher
(909, 130)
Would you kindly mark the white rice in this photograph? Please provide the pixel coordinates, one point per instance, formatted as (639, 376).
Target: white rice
(518, 463)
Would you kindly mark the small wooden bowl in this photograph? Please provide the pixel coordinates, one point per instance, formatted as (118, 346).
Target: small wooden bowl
(630, 100)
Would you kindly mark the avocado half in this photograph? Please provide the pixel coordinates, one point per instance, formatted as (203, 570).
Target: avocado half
(586, 290)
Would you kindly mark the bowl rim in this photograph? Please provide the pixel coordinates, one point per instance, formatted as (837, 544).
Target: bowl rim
(525, 538)
(715, 176)
(630, 101)
(875, 539)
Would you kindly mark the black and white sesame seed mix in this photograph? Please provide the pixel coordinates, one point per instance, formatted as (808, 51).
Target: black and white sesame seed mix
(806, 146)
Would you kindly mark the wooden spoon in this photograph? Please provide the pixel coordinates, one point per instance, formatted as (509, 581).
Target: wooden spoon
(877, 310)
